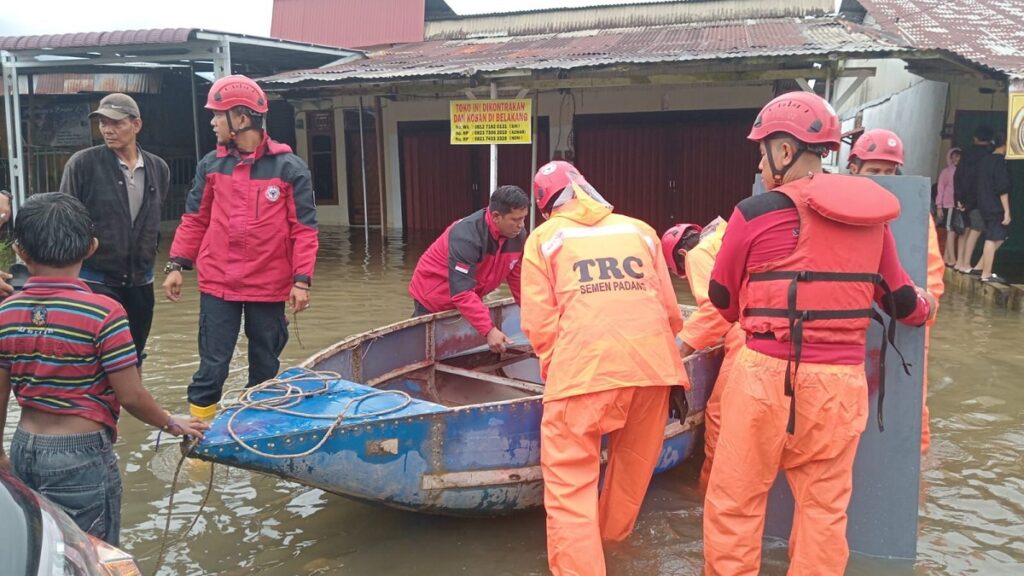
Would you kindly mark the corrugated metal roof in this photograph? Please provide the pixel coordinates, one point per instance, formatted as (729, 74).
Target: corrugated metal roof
(611, 16)
(68, 83)
(592, 48)
(988, 32)
(85, 39)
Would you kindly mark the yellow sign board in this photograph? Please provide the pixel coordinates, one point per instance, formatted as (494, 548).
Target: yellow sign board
(1015, 127)
(491, 121)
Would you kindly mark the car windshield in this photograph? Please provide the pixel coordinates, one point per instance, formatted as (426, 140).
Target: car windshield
(23, 526)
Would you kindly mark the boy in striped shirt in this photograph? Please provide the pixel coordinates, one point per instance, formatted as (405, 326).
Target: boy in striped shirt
(69, 358)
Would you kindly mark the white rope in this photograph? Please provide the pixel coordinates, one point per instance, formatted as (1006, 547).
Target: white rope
(291, 395)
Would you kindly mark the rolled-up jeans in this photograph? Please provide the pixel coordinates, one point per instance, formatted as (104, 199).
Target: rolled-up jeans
(78, 473)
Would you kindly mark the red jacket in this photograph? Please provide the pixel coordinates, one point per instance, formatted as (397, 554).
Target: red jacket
(249, 224)
(470, 260)
(827, 284)
(766, 229)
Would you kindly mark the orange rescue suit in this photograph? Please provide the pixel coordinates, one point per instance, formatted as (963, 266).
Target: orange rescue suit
(705, 328)
(840, 243)
(936, 271)
(599, 310)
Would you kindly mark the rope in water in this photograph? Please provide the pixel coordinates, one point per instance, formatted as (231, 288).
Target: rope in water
(186, 450)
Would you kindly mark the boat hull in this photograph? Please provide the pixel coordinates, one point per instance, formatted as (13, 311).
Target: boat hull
(405, 452)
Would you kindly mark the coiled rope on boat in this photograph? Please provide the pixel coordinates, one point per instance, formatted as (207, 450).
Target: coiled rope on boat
(288, 395)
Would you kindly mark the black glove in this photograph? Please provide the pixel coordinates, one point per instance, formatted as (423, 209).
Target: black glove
(678, 407)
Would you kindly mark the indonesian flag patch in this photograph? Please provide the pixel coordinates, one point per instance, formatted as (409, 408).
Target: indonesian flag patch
(463, 268)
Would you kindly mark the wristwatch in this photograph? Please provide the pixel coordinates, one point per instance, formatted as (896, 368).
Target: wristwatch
(172, 266)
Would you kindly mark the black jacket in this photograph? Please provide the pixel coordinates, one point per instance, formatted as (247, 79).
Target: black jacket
(965, 179)
(993, 180)
(127, 252)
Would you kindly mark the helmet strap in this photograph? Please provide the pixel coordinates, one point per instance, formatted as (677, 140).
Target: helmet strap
(236, 131)
(779, 173)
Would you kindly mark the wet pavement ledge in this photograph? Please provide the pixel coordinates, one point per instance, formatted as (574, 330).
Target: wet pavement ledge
(989, 294)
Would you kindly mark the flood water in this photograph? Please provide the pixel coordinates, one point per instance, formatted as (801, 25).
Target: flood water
(972, 517)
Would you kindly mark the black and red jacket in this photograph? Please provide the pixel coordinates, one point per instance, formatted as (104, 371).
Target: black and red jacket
(470, 260)
(249, 224)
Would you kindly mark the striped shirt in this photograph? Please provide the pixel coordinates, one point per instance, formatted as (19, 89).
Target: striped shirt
(59, 341)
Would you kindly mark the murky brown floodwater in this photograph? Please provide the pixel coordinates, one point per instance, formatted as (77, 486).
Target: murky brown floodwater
(972, 520)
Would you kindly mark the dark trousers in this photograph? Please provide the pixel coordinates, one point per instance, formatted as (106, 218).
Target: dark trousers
(137, 302)
(266, 327)
(419, 309)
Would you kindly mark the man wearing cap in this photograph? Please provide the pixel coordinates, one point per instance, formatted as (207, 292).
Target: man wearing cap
(123, 186)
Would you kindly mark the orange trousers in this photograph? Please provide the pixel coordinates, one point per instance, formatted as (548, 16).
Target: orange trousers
(831, 413)
(734, 339)
(570, 458)
(926, 431)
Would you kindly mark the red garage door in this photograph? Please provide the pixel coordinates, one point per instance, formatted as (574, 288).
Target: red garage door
(442, 183)
(669, 167)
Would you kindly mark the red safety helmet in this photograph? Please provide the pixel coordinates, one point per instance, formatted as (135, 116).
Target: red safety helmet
(676, 242)
(236, 90)
(803, 115)
(552, 179)
(878, 144)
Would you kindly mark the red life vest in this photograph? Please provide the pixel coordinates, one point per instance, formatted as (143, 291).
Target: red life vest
(823, 291)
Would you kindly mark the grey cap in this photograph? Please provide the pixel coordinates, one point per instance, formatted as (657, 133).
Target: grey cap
(117, 106)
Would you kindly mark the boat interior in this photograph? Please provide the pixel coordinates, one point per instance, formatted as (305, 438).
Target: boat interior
(472, 378)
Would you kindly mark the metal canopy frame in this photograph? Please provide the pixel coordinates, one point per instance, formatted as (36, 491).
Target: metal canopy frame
(222, 53)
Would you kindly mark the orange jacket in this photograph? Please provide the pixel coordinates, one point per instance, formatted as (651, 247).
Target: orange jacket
(936, 267)
(705, 327)
(597, 302)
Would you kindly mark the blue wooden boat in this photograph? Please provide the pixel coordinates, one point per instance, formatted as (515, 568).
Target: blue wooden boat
(431, 421)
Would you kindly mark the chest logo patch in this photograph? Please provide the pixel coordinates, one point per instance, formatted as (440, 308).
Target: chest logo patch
(273, 193)
(39, 315)
(512, 264)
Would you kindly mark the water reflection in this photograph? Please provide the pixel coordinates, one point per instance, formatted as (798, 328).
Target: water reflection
(972, 519)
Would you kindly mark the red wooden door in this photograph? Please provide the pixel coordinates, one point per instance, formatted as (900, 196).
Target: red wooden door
(715, 166)
(627, 162)
(665, 168)
(439, 183)
(442, 182)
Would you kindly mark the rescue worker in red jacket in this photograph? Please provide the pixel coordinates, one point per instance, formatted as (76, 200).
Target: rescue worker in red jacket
(880, 153)
(599, 310)
(250, 230)
(471, 259)
(799, 269)
(690, 252)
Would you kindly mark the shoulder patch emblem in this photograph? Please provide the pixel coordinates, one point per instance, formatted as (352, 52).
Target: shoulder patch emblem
(39, 315)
